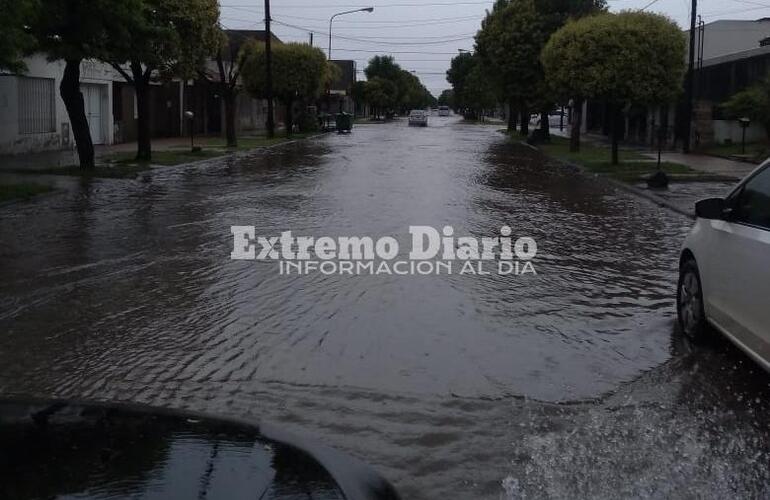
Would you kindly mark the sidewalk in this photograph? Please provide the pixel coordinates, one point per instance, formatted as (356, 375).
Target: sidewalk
(712, 165)
(64, 158)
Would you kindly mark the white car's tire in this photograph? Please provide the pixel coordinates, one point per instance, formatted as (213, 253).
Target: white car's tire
(689, 302)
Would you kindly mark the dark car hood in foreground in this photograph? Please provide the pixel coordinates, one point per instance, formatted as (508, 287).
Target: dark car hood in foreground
(95, 450)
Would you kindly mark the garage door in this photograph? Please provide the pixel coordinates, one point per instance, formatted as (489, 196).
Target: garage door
(94, 104)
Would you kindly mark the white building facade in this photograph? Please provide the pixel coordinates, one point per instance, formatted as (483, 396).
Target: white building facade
(33, 117)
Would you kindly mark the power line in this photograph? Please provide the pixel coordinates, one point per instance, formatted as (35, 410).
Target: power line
(388, 52)
(353, 6)
(375, 24)
(320, 30)
(725, 12)
(390, 26)
(653, 2)
(374, 42)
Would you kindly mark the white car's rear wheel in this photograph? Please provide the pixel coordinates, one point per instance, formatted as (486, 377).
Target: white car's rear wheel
(689, 302)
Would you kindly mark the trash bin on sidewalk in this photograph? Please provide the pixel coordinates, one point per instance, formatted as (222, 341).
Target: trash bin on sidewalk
(344, 122)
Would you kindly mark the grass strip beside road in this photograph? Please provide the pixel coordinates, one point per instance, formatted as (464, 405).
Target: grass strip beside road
(22, 191)
(756, 152)
(254, 142)
(124, 164)
(165, 158)
(107, 171)
(594, 158)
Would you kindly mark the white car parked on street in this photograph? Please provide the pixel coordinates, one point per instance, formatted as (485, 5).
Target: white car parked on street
(724, 268)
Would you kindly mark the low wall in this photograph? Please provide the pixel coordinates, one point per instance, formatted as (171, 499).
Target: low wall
(725, 130)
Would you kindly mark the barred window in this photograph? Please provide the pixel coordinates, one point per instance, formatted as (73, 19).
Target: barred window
(36, 105)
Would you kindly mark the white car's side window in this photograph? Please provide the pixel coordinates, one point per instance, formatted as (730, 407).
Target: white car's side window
(752, 205)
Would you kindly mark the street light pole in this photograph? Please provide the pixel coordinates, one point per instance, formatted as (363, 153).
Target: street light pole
(365, 9)
(270, 125)
(690, 82)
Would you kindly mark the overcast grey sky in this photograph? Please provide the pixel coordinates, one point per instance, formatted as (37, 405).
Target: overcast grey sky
(424, 35)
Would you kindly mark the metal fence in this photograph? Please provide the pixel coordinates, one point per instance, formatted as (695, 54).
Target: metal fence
(37, 112)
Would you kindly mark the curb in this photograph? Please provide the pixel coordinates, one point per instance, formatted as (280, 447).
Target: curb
(31, 199)
(641, 193)
(234, 154)
(238, 154)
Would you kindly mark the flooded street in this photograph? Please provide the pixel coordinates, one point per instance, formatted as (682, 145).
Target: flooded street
(569, 383)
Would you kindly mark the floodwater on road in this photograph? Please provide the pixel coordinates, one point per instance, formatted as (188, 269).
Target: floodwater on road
(570, 382)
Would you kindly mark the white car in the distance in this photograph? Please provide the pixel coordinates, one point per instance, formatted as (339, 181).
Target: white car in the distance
(418, 117)
(724, 268)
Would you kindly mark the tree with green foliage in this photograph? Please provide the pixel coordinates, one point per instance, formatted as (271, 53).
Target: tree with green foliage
(383, 67)
(509, 44)
(358, 94)
(753, 103)
(459, 69)
(72, 31)
(472, 91)
(300, 72)
(622, 59)
(447, 98)
(381, 94)
(15, 36)
(410, 92)
(555, 14)
(159, 39)
(226, 76)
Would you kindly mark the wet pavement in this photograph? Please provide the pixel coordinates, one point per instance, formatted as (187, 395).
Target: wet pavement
(684, 195)
(569, 383)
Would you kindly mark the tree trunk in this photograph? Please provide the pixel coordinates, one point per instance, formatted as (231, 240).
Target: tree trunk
(69, 89)
(143, 144)
(511, 116)
(576, 124)
(229, 98)
(524, 121)
(545, 124)
(289, 118)
(615, 122)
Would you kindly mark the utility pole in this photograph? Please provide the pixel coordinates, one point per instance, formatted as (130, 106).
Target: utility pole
(270, 125)
(690, 82)
(311, 38)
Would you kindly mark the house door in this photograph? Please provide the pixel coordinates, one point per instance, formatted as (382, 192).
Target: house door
(92, 98)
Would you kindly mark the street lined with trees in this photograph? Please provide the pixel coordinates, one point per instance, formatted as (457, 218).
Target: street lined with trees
(534, 56)
(631, 58)
(389, 89)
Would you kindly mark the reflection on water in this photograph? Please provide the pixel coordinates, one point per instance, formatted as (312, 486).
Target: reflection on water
(124, 290)
(49, 451)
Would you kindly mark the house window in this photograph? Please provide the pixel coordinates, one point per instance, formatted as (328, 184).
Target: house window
(36, 106)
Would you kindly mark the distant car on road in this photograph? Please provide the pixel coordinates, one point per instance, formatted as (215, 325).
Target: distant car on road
(724, 268)
(443, 110)
(418, 118)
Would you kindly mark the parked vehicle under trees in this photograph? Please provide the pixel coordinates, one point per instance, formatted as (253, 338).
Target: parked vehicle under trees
(508, 45)
(621, 59)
